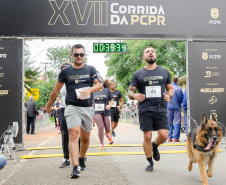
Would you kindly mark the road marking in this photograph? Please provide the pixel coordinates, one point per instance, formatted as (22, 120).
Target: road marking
(104, 153)
(22, 161)
(122, 145)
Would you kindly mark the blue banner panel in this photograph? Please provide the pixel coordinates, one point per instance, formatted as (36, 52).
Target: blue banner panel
(207, 87)
(11, 85)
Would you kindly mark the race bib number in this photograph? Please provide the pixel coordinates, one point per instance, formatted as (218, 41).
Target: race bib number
(99, 107)
(153, 91)
(62, 102)
(114, 104)
(77, 91)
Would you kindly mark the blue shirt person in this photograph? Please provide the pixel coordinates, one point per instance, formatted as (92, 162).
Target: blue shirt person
(174, 113)
(185, 111)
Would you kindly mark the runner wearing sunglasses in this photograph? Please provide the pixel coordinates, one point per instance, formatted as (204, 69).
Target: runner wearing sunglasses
(79, 79)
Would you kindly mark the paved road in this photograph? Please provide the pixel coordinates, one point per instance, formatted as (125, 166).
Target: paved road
(111, 169)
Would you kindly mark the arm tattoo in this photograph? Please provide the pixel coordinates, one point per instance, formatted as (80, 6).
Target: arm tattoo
(131, 92)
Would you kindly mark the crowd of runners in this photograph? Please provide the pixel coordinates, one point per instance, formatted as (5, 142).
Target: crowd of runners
(87, 99)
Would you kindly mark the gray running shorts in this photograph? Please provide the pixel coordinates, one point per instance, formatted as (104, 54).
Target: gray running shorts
(79, 116)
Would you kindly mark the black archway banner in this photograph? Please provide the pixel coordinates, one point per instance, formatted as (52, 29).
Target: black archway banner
(160, 19)
(207, 87)
(11, 83)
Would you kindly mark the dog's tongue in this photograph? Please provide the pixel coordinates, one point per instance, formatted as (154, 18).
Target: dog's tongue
(209, 145)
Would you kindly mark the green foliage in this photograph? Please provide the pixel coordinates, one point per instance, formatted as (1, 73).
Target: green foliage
(30, 71)
(123, 91)
(170, 54)
(45, 89)
(52, 119)
(57, 56)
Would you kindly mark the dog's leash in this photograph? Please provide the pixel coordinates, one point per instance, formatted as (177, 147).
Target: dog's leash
(195, 122)
(222, 125)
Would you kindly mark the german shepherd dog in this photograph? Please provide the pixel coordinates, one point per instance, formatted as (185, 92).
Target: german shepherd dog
(202, 146)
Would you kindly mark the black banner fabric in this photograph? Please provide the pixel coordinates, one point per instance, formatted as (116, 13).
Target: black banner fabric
(160, 19)
(11, 85)
(207, 86)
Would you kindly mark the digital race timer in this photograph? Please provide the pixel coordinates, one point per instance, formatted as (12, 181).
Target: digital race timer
(109, 47)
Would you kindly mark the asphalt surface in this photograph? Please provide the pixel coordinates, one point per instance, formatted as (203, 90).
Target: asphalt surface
(172, 169)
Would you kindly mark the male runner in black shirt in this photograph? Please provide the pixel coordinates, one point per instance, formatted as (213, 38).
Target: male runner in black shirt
(151, 82)
(79, 79)
(115, 108)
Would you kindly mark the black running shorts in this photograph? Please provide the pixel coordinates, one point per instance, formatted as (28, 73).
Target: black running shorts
(153, 121)
(114, 116)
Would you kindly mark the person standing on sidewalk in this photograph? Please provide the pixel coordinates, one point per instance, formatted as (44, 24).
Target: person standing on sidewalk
(116, 107)
(185, 111)
(32, 112)
(79, 79)
(151, 82)
(103, 113)
(174, 113)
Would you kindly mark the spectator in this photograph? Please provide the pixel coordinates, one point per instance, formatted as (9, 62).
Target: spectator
(127, 111)
(32, 112)
(185, 111)
(174, 113)
(133, 108)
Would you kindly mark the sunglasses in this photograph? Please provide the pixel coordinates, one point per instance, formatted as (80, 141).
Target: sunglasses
(77, 54)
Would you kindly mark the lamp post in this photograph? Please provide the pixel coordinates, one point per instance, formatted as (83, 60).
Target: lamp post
(45, 67)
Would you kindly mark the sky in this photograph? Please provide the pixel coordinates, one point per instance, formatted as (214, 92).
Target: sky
(38, 49)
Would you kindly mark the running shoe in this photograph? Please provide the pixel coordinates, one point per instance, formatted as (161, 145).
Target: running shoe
(170, 140)
(176, 140)
(65, 163)
(82, 163)
(76, 172)
(59, 131)
(149, 168)
(113, 133)
(156, 154)
(110, 140)
(101, 147)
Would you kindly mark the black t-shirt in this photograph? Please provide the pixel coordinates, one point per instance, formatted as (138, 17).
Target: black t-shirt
(101, 99)
(76, 79)
(152, 84)
(116, 96)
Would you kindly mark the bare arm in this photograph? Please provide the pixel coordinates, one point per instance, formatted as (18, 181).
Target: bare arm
(110, 104)
(133, 95)
(53, 95)
(170, 92)
(120, 104)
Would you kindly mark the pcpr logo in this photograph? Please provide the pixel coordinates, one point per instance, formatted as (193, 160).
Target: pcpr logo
(214, 15)
(206, 56)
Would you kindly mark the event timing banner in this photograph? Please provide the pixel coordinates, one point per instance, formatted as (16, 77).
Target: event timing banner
(160, 19)
(11, 85)
(207, 86)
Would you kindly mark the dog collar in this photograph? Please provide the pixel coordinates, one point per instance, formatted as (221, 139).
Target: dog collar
(199, 148)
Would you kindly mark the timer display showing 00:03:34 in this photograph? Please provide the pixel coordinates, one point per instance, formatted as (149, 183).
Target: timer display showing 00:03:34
(109, 47)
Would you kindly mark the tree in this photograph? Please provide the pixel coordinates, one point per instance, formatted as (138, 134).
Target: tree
(30, 71)
(45, 89)
(170, 54)
(57, 56)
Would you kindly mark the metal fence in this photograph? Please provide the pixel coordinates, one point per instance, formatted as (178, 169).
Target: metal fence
(130, 116)
(39, 123)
